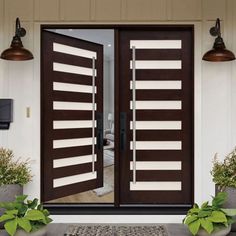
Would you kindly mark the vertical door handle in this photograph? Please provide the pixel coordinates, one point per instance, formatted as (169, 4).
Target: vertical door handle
(122, 131)
(99, 118)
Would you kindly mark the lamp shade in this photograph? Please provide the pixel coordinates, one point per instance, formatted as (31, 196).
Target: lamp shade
(219, 52)
(16, 52)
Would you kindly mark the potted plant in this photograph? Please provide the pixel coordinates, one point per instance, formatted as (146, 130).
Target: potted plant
(224, 176)
(13, 175)
(24, 217)
(210, 219)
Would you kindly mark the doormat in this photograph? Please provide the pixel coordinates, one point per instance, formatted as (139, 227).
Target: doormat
(109, 230)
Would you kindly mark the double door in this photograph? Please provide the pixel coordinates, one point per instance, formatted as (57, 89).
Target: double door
(153, 119)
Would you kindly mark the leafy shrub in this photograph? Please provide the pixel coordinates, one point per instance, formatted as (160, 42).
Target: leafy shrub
(209, 217)
(224, 173)
(11, 171)
(26, 215)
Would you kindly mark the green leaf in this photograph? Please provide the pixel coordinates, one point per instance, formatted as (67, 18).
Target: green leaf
(6, 217)
(207, 225)
(229, 212)
(33, 203)
(194, 227)
(24, 224)
(204, 213)
(11, 226)
(190, 219)
(21, 198)
(11, 212)
(35, 215)
(217, 217)
(7, 205)
(205, 204)
(219, 199)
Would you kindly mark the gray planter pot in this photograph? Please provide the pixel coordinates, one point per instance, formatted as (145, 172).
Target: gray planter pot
(8, 193)
(221, 232)
(231, 201)
(41, 232)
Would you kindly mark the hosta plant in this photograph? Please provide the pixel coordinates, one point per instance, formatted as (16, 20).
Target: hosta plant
(13, 171)
(209, 217)
(224, 173)
(24, 214)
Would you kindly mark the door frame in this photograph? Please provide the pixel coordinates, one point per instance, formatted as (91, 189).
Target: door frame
(83, 208)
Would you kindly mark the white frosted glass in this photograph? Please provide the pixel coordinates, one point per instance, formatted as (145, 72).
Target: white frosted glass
(67, 87)
(167, 64)
(156, 165)
(72, 124)
(157, 125)
(74, 179)
(73, 69)
(156, 186)
(157, 105)
(160, 84)
(83, 106)
(156, 44)
(157, 145)
(57, 47)
(74, 142)
(70, 161)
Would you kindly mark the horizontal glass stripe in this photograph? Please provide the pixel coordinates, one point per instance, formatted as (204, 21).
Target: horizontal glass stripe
(157, 125)
(74, 179)
(73, 69)
(67, 87)
(156, 44)
(157, 105)
(156, 165)
(82, 106)
(156, 186)
(70, 161)
(157, 145)
(73, 124)
(167, 64)
(64, 143)
(57, 47)
(160, 84)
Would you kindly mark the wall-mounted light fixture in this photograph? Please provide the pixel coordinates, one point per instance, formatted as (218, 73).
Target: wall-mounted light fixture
(17, 52)
(218, 52)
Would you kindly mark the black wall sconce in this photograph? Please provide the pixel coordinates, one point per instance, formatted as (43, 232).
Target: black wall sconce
(17, 52)
(218, 52)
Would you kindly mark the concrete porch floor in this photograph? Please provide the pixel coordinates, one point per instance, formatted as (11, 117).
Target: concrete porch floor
(172, 230)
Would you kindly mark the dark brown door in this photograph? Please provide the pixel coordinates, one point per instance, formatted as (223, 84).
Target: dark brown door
(71, 115)
(156, 104)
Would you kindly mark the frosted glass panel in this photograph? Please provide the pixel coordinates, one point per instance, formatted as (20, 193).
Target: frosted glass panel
(70, 161)
(63, 143)
(73, 87)
(72, 124)
(155, 44)
(156, 165)
(74, 179)
(57, 47)
(161, 84)
(73, 69)
(83, 106)
(168, 64)
(157, 125)
(157, 105)
(157, 145)
(156, 186)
